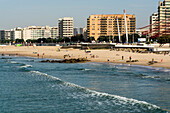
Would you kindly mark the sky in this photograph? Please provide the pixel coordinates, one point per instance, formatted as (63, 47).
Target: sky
(23, 13)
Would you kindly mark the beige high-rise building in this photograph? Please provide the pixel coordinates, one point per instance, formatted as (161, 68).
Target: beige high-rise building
(65, 27)
(164, 14)
(153, 26)
(106, 25)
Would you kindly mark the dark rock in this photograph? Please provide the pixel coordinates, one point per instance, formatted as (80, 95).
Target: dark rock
(5, 58)
(79, 60)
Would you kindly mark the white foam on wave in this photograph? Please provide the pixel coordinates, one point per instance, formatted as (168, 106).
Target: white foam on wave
(122, 100)
(44, 74)
(87, 70)
(151, 77)
(26, 66)
(13, 62)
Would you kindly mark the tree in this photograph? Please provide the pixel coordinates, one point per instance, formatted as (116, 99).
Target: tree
(164, 39)
(49, 40)
(104, 38)
(19, 40)
(136, 36)
(30, 40)
(77, 38)
(90, 39)
(116, 39)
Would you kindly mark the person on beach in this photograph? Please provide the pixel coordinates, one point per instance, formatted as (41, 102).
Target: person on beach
(152, 59)
(122, 57)
(108, 60)
(130, 58)
(43, 55)
(38, 55)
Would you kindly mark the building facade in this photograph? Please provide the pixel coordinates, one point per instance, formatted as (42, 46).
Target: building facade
(5, 35)
(30, 32)
(106, 25)
(36, 32)
(85, 33)
(54, 32)
(65, 27)
(164, 14)
(153, 26)
(78, 31)
(17, 33)
(75, 31)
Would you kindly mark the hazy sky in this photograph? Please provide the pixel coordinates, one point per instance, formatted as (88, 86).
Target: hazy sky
(22, 13)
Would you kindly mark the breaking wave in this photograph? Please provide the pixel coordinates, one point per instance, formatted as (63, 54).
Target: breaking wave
(105, 99)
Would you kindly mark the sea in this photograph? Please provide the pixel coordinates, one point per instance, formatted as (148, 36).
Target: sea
(29, 86)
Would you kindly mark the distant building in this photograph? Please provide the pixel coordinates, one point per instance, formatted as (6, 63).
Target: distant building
(65, 27)
(5, 35)
(30, 32)
(54, 32)
(154, 19)
(163, 14)
(85, 33)
(75, 31)
(36, 32)
(17, 33)
(78, 31)
(106, 25)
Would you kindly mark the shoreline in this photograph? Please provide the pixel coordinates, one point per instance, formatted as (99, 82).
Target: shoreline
(105, 56)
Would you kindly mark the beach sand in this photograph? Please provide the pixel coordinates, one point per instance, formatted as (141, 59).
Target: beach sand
(94, 56)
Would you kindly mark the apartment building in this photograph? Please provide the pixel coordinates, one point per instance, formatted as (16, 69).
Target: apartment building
(16, 33)
(54, 32)
(30, 32)
(36, 32)
(75, 31)
(78, 31)
(153, 20)
(65, 27)
(164, 14)
(5, 35)
(107, 25)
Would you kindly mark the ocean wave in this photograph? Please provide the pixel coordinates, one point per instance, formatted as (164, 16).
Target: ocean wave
(117, 100)
(13, 62)
(85, 69)
(44, 74)
(26, 66)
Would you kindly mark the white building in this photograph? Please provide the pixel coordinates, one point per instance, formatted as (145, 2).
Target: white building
(154, 19)
(36, 32)
(65, 26)
(30, 32)
(54, 32)
(16, 33)
(164, 14)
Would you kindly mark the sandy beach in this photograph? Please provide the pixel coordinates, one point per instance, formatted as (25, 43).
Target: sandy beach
(93, 56)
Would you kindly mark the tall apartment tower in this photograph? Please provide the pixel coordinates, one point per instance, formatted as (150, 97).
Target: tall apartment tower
(164, 14)
(65, 27)
(153, 20)
(106, 25)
